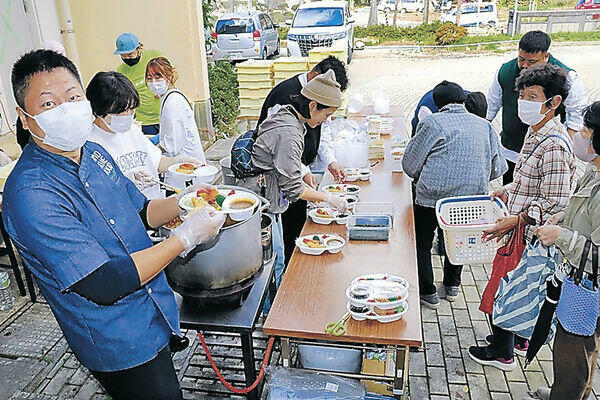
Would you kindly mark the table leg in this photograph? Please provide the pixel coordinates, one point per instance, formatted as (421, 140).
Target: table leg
(285, 352)
(249, 363)
(401, 374)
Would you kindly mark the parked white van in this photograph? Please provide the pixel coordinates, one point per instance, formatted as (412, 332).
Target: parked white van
(403, 6)
(470, 15)
(320, 24)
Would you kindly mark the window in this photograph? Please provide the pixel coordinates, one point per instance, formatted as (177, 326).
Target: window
(234, 25)
(489, 8)
(269, 22)
(313, 17)
(596, 1)
(468, 10)
(263, 21)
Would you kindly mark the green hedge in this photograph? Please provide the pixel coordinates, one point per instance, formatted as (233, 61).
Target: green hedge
(422, 34)
(224, 100)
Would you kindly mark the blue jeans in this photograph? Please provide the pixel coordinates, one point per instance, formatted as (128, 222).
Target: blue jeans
(277, 232)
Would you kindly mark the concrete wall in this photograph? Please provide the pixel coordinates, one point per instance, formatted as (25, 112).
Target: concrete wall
(173, 27)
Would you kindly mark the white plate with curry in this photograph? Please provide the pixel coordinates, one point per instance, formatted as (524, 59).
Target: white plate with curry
(240, 206)
(317, 244)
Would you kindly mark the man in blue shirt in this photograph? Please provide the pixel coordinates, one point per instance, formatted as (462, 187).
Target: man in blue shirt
(80, 227)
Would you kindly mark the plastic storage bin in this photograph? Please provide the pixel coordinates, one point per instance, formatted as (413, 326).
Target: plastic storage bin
(375, 208)
(463, 220)
(330, 358)
(369, 227)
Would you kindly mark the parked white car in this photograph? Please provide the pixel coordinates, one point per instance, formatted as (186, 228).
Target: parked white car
(321, 24)
(403, 6)
(242, 36)
(471, 16)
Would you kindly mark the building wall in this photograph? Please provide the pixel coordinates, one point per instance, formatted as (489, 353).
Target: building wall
(173, 27)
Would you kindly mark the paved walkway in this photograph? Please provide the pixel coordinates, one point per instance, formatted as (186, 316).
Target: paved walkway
(36, 363)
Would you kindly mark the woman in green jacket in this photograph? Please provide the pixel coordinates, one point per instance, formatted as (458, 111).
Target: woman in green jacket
(575, 356)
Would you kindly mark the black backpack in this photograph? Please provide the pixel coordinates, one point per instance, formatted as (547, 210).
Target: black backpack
(241, 156)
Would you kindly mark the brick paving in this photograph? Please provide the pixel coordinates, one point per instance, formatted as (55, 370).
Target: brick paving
(36, 363)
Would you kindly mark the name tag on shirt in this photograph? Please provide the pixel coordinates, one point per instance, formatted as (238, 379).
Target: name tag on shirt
(104, 164)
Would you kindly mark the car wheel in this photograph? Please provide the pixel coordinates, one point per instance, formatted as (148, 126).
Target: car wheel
(491, 24)
(349, 54)
(403, 11)
(278, 50)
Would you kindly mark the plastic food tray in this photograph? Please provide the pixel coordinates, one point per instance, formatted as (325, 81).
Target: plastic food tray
(373, 291)
(369, 227)
(335, 216)
(317, 251)
(344, 189)
(375, 208)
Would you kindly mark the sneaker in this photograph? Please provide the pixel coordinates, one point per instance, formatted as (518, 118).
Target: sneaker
(542, 393)
(480, 355)
(430, 300)
(521, 348)
(451, 292)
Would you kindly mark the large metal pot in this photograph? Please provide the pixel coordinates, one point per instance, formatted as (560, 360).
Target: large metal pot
(231, 257)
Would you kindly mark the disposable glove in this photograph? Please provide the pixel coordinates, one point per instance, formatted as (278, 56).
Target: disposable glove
(199, 227)
(339, 203)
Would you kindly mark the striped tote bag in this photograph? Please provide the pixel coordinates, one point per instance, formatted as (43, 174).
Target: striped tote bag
(522, 292)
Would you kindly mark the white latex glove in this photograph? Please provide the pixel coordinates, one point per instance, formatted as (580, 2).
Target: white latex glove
(194, 188)
(199, 227)
(142, 179)
(339, 203)
(186, 159)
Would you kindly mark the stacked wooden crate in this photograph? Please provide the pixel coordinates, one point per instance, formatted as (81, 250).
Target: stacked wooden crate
(287, 67)
(255, 79)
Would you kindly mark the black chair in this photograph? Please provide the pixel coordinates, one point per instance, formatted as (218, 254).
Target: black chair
(9, 251)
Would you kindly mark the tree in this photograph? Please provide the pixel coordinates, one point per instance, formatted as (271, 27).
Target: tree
(373, 13)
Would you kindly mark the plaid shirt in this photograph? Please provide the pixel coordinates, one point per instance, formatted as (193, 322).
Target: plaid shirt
(543, 175)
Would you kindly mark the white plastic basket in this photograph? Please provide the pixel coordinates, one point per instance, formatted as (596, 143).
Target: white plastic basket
(463, 220)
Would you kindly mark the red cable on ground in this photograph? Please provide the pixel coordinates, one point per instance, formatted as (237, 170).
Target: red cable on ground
(227, 384)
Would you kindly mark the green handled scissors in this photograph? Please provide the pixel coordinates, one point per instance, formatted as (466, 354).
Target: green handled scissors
(337, 328)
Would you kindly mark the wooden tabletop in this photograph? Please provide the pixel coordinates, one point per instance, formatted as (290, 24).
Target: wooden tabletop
(312, 292)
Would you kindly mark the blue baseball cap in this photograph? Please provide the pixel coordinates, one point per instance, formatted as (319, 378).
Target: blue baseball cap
(126, 43)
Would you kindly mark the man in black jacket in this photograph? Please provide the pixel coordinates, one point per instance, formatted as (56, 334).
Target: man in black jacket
(295, 216)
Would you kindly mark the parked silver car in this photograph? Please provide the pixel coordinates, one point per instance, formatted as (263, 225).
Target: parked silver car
(241, 36)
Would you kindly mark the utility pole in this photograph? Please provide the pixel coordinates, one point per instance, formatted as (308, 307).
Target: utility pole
(395, 12)
(426, 12)
(514, 21)
(458, 12)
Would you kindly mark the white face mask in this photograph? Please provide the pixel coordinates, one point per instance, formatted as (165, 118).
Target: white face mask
(67, 126)
(119, 123)
(530, 112)
(582, 147)
(158, 87)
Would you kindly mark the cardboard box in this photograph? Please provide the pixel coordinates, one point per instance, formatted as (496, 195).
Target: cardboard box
(374, 362)
(379, 387)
